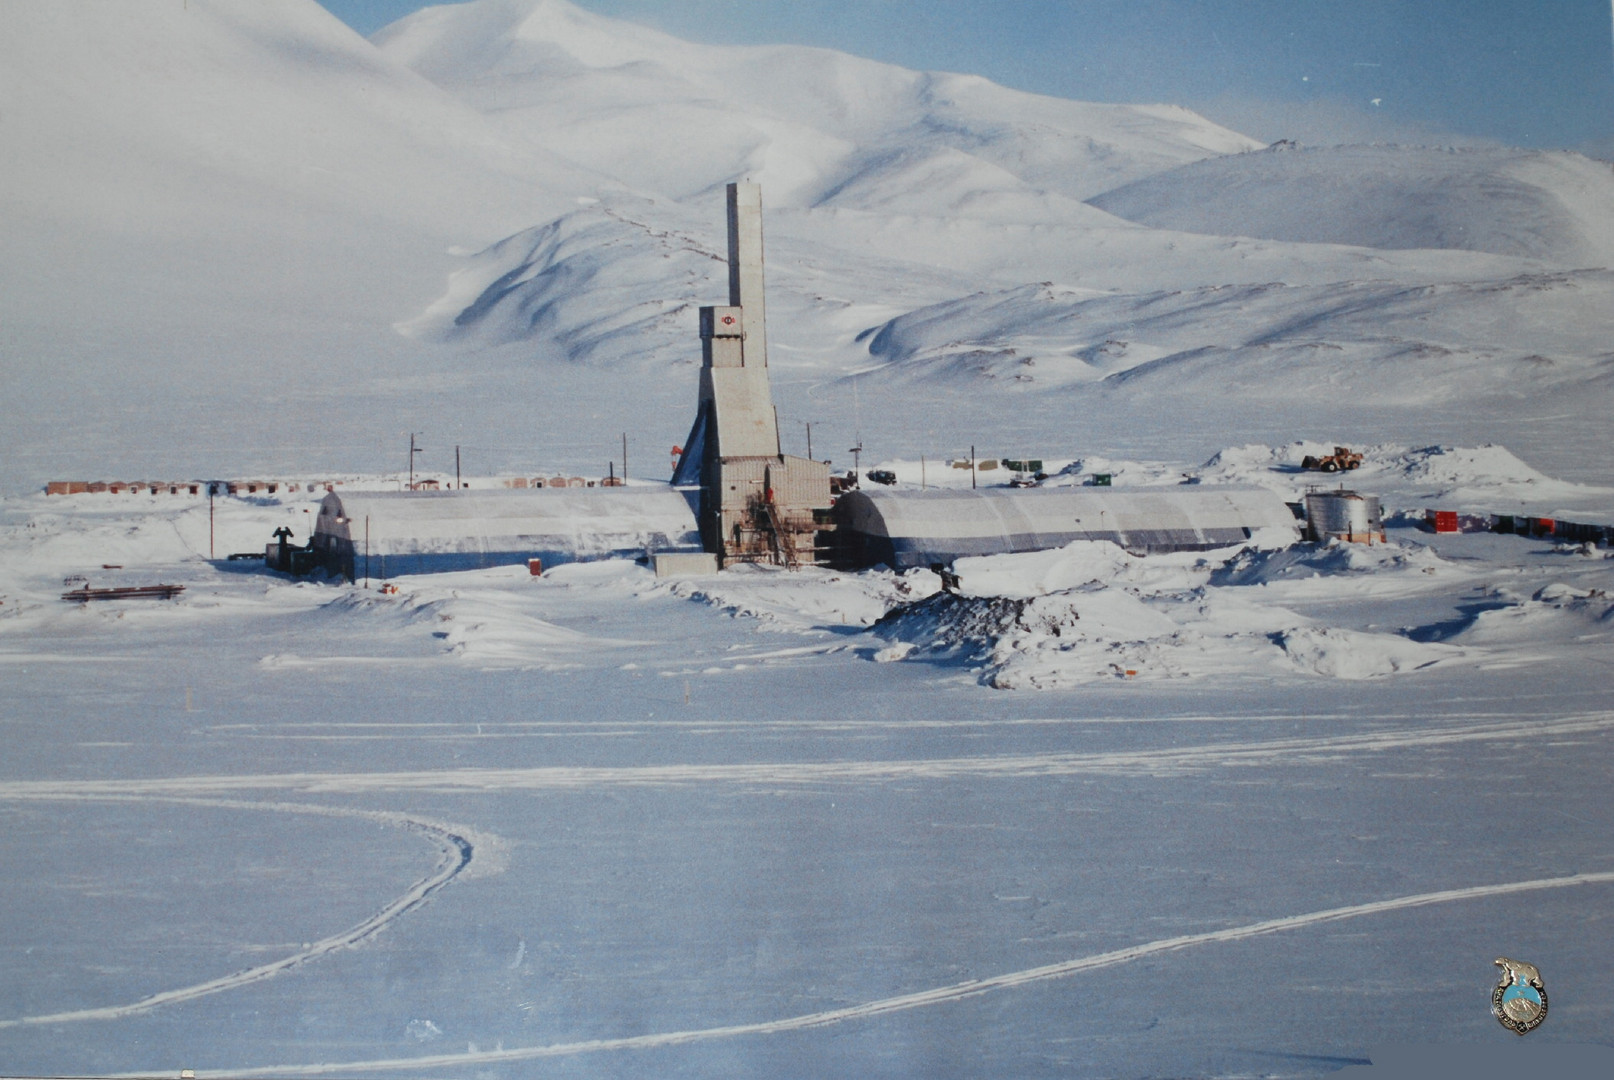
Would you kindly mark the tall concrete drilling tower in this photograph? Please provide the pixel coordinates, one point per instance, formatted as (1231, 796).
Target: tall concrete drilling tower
(756, 503)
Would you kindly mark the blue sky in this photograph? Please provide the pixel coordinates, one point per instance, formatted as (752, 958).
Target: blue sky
(1525, 72)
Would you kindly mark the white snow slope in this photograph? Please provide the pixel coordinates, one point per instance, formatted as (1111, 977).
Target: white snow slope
(813, 126)
(214, 210)
(1557, 206)
(1378, 341)
(232, 220)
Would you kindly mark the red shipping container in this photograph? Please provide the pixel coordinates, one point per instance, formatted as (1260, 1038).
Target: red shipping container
(1442, 521)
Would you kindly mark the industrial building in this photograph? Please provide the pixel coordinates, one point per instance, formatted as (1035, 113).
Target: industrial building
(756, 504)
(920, 528)
(384, 534)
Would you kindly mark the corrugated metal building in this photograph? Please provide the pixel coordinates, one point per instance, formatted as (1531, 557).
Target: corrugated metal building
(918, 528)
(384, 534)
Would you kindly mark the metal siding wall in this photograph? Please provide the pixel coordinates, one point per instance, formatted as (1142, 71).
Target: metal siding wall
(1348, 515)
(922, 528)
(800, 483)
(742, 408)
(574, 522)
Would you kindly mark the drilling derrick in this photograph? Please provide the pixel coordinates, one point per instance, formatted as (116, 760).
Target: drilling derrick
(756, 504)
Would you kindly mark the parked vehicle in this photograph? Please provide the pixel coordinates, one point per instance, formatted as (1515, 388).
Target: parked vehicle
(1343, 459)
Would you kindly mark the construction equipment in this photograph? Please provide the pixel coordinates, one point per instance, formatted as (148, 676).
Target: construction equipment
(1343, 459)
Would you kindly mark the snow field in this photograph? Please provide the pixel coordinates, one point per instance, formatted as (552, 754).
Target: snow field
(1262, 808)
(669, 838)
(855, 779)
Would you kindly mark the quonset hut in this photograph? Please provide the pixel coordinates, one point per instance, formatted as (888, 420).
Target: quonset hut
(919, 528)
(384, 534)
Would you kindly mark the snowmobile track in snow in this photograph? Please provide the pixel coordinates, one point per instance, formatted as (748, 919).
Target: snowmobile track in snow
(938, 996)
(456, 852)
(1171, 761)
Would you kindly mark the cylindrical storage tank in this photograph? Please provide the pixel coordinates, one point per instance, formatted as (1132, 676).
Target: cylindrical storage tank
(1346, 515)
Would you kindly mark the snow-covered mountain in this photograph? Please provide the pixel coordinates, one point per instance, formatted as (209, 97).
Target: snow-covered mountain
(1555, 206)
(213, 213)
(1411, 274)
(240, 235)
(162, 118)
(813, 126)
(1384, 342)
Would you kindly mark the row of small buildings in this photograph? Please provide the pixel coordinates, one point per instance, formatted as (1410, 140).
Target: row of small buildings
(543, 482)
(275, 487)
(125, 487)
(181, 487)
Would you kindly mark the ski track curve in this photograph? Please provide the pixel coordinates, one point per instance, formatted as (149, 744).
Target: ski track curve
(1170, 761)
(923, 998)
(458, 851)
(456, 855)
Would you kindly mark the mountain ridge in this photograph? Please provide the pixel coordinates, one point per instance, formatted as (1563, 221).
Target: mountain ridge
(1554, 205)
(575, 80)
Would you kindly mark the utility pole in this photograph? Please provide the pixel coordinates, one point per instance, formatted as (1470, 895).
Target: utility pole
(413, 450)
(211, 488)
(856, 453)
(809, 440)
(624, 457)
(972, 467)
(457, 484)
